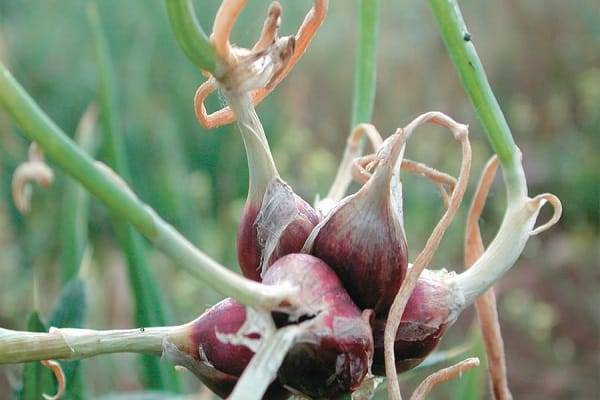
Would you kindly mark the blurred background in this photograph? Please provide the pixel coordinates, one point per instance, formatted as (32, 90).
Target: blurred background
(542, 58)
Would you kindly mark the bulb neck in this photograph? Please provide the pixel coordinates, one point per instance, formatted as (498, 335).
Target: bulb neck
(261, 166)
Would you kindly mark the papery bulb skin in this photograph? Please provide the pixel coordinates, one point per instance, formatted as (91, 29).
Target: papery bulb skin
(277, 225)
(221, 364)
(293, 237)
(363, 240)
(333, 354)
(432, 307)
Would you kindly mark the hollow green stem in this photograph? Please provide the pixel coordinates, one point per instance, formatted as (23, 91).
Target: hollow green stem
(189, 34)
(521, 212)
(366, 60)
(227, 282)
(460, 46)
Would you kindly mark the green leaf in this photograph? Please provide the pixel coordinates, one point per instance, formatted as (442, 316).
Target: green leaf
(37, 379)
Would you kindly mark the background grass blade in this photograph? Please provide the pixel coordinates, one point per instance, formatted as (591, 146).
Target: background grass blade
(149, 309)
(76, 201)
(366, 62)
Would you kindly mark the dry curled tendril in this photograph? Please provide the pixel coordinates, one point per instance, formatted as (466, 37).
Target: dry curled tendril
(460, 133)
(34, 169)
(362, 165)
(443, 375)
(259, 69)
(60, 378)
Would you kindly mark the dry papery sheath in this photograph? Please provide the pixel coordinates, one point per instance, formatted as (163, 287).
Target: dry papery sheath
(271, 228)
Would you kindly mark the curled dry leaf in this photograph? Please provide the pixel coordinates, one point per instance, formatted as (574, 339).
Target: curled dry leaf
(36, 170)
(460, 133)
(60, 378)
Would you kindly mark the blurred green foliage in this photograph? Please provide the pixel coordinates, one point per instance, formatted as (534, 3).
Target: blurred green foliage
(543, 61)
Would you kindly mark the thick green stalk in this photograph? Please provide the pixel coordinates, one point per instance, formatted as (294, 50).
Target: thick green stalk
(366, 60)
(189, 34)
(460, 46)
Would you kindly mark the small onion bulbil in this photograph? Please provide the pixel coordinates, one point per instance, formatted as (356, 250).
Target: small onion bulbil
(221, 364)
(334, 353)
(330, 356)
(363, 238)
(432, 307)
